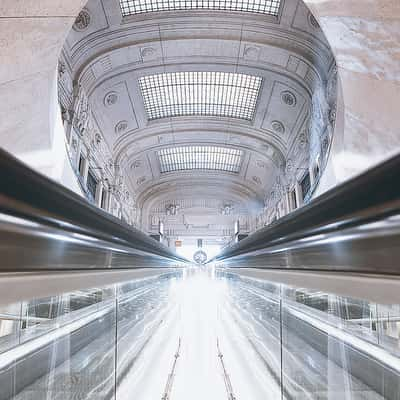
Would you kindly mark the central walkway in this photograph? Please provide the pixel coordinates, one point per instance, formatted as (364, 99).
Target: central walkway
(199, 372)
(199, 352)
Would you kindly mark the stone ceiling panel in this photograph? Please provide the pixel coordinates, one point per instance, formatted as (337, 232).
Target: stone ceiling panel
(286, 110)
(218, 49)
(260, 171)
(114, 111)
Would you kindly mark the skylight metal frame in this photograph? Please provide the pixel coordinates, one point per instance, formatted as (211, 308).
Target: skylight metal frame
(201, 157)
(133, 7)
(206, 93)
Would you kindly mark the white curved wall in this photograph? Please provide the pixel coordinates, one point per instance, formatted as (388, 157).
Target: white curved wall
(32, 34)
(365, 38)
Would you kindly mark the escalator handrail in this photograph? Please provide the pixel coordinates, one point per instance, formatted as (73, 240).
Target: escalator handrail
(368, 197)
(28, 194)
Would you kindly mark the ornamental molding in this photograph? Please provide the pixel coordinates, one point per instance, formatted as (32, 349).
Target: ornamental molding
(121, 127)
(227, 209)
(257, 180)
(110, 99)
(148, 52)
(251, 52)
(172, 209)
(313, 21)
(289, 98)
(278, 127)
(136, 164)
(82, 21)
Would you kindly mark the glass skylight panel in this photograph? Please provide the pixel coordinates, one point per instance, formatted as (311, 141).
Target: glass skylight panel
(208, 93)
(200, 157)
(131, 7)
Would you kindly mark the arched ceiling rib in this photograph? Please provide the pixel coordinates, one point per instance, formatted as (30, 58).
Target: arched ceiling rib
(219, 187)
(224, 47)
(292, 32)
(246, 139)
(255, 171)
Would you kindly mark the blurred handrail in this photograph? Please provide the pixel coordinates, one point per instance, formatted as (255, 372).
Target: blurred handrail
(63, 218)
(336, 231)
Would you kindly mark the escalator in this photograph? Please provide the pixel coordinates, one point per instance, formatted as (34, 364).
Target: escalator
(306, 308)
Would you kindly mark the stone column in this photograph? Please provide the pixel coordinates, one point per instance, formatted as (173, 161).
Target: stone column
(107, 193)
(312, 177)
(299, 196)
(286, 201)
(75, 161)
(99, 193)
(85, 170)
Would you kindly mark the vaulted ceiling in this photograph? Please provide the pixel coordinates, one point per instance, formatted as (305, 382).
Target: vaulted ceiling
(147, 77)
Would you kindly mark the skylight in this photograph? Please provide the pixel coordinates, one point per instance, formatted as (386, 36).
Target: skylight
(131, 7)
(200, 157)
(200, 93)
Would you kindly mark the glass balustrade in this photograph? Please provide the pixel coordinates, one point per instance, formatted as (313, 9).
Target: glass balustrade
(199, 334)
